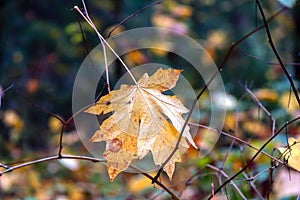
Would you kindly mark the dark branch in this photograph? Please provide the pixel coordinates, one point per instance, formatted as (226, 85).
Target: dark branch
(255, 155)
(131, 16)
(208, 83)
(270, 40)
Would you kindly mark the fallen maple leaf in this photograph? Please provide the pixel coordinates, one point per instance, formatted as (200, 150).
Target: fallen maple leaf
(143, 119)
(292, 153)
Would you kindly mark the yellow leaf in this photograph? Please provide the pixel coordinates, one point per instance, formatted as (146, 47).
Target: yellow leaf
(143, 120)
(292, 153)
(32, 86)
(139, 183)
(135, 57)
(230, 121)
(159, 46)
(13, 120)
(286, 184)
(33, 179)
(165, 21)
(54, 124)
(257, 128)
(217, 39)
(266, 94)
(182, 11)
(289, 102)
(118, 30)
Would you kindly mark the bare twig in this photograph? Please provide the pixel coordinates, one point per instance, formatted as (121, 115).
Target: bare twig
(261, 106)
(253, 187)
(172, 194)
(131, 16)
(106, 43)
(240, 140)
(59, 118)
(227, 153)
(106, 84)
(4, 166)
(65, 124)
(235, 44)
(266, 62)
(256, 154)
(227, 177)
(270, 40)
(85, 47)
(155, 179)
(61, 156)
(262, 172)
(5, 90)
(92, 159)
(101, 41)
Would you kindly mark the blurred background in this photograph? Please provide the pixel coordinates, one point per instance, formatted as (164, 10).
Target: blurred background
(42, 47)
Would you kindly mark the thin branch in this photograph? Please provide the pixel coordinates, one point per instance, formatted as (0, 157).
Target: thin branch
(253, 187)
(10, 169)
(60, 156)
(227, 153)
(220, 171)
(106, 43)
(154, 179)
(56, 157)
(173, 195)
(266, 62)
(106, 84)
(6, 89)
(65, 126)
(235, 44)
(240, 140)
(113, 51)
(92, 159)
(4, 166)
(131, 16)
(102, 44)
(261, 106)
(270, 179)
(262, 172)
(49, 158)
(270, 40)
(256, 154)
(85, 47)
(59, 118)
(194, 176)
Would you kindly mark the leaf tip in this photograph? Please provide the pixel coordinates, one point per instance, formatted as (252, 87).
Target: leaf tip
(169, 169)
(112, 172)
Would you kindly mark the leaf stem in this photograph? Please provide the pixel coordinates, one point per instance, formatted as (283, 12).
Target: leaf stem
(106, 43)
(102, 44)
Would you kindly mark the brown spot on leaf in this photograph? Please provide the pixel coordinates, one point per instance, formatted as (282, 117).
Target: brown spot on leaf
(114, 145)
